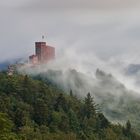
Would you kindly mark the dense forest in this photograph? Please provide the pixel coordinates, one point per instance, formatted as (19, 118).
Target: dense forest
(32, 109)
(116, 101)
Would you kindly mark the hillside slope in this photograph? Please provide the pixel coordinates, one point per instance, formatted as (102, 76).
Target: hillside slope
(31, 109)
(117, 102)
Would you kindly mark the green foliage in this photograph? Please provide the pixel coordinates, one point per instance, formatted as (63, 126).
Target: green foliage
(89, 106)
(73, 121)
(6, 128)
(31, 109)
(40, 112)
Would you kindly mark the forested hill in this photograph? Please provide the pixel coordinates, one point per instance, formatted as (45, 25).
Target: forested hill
(33, 110)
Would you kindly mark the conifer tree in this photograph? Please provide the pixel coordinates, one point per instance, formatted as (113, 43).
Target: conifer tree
(74, 124)
(89, 108)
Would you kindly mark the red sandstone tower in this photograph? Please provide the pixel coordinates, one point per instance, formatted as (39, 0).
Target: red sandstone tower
(43, 53)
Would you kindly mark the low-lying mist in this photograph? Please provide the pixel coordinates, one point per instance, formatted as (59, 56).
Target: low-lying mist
(107, 81)
(87, 64)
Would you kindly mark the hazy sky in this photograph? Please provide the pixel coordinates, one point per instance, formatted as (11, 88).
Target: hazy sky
(108, 29)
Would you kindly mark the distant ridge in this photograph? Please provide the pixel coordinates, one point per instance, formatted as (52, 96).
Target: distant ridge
(4, 64)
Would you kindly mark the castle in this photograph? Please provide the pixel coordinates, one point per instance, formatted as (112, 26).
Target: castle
(43, 54)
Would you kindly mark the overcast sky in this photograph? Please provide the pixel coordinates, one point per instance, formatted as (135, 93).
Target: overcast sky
(108, 29)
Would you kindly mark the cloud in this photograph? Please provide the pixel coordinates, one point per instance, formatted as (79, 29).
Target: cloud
(45, 5)
(97, 27)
